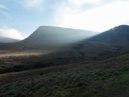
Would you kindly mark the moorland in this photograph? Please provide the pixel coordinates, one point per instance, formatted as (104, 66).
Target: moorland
(44, 65)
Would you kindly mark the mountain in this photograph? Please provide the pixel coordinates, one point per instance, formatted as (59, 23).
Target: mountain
(117, 36)
(49, 34)
(7, 40)
(76, 70)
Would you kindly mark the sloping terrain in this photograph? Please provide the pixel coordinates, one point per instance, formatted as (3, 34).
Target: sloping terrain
(7, 40)
(105, 78)
(53, 64)
(48, 34)
(118, 36)
(18, 56)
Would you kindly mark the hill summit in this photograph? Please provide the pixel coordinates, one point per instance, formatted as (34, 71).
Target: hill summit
(115, 36)
(49, 34)
(8, 40)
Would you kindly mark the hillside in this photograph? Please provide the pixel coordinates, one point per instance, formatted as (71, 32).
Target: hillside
(49, 46)
(105, 78)
(7, 40)
(49, 34)
(54, 62)
(31, 56)
(118, 36)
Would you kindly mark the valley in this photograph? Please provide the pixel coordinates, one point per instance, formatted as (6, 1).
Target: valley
(44, 65)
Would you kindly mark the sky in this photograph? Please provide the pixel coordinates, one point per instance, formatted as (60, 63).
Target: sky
(20, 18)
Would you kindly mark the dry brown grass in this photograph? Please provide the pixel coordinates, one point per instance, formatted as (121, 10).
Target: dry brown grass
(24, 54)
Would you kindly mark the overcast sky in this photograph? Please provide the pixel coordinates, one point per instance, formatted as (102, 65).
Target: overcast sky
(20, 18)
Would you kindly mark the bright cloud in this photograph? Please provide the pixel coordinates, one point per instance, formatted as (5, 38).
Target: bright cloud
(96, 19)
(12, 33)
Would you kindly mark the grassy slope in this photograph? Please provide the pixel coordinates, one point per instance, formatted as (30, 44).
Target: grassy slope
(18, 57)
(105, 78)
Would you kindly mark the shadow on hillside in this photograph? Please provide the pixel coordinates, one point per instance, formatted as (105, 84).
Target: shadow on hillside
(55, 55)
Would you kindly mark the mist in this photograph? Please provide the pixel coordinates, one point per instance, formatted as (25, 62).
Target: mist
(49, 34)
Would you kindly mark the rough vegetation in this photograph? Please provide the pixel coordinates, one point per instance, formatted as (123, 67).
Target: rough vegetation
(19, 57)
(103, 78)
(73, 70)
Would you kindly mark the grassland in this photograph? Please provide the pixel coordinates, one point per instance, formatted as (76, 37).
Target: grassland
(19, 57)
(76, 71)
(105, 78)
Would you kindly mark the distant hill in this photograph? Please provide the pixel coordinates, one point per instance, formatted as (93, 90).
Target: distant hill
(117, 36)
(49, 34)
(7, 40)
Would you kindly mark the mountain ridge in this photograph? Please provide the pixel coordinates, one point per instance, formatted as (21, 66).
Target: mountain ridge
(115, 36)
(8, 40)
(51, 34)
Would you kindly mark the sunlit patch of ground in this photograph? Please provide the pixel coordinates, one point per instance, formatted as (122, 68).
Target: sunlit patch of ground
(27, 54)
